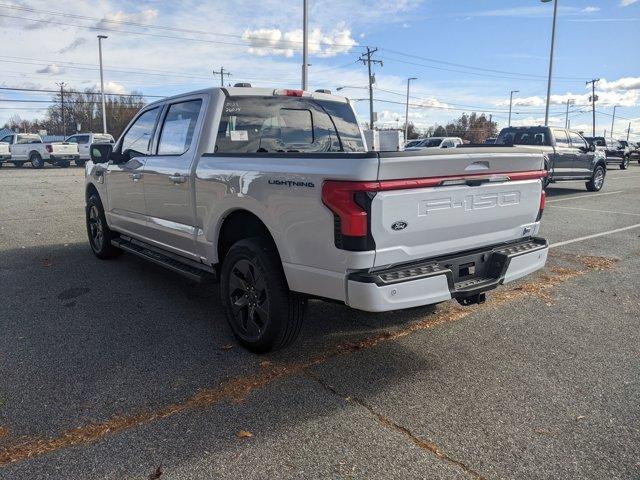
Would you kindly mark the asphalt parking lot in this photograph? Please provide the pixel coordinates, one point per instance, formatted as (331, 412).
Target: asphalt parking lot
(122, 370)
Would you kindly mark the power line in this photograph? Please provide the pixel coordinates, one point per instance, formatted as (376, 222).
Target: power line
(39, 90)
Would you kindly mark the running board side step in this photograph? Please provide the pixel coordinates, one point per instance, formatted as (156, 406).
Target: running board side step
(185, 267)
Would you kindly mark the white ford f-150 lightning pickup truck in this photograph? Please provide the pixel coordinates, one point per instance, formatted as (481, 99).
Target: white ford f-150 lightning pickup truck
(28, 147)
(273, 193)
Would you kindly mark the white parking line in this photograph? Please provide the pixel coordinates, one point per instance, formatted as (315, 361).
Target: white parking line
(595, 235)
(584, 196)
(592, 210)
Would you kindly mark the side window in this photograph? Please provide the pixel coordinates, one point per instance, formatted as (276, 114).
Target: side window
(178, 127)
(577, 141)
(137, 140)
(72, 140)
(82, 139)
(561, 138)
(7, 139)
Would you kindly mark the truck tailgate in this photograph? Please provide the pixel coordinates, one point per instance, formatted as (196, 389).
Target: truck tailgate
(430, 205)
(64, 148)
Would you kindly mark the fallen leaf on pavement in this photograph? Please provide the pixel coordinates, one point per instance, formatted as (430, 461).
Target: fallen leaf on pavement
(244, 434)
(157, 474)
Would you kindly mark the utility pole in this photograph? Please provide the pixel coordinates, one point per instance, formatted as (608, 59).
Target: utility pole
(222, 74)
(365, 58)
(613, 119)
(305, 43)
(511, 103)
(64, 122)
(406, 112)
(628, 131)
(593, 99)
(566, 118)
(104, 108)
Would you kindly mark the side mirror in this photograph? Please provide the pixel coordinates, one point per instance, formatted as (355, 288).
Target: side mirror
(100, 152)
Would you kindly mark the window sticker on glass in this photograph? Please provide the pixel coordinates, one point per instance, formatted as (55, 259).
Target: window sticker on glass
(239, 136)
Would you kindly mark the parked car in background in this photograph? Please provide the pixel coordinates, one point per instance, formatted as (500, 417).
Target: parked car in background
(84, 141)
(437, 142)
(490, 141)
(614, 151)
(569, 156)
(632, 148)
(5, 153)
(274, 193)
(28, 147)
(413, 143)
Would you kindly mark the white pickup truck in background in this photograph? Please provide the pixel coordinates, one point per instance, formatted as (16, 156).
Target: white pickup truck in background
(28, 147)
(84, 141)
(5, 153)
(273, 193)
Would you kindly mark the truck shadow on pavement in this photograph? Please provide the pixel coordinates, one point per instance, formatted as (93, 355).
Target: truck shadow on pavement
(84, 340)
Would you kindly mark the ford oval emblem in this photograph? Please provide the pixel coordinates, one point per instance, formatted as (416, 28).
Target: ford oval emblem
(399, 225)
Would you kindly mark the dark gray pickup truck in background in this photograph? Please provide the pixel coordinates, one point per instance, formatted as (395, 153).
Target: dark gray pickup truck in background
(569, 155)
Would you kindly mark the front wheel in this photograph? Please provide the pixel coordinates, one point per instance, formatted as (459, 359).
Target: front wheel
(597, 179)
(262, 312)
(100, 235)
(625, 163)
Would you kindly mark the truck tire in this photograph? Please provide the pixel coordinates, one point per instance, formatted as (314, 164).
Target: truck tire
(80, 163)
(625, 163)
(63, 163)
(36, 160)
(262, 312)
(18, 164)
(99, 233)
(597, 179)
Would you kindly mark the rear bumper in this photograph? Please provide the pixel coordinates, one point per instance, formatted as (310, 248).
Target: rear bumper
(56, 158)
(435, 280)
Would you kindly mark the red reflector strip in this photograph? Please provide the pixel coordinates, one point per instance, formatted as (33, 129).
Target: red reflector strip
(288, 92)
(436, 181)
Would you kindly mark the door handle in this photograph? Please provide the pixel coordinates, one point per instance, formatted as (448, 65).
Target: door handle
(177, 178)
(135, 176)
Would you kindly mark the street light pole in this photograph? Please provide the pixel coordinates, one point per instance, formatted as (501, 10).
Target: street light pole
(104, 108)
(305, 43)
(511, 103)
(406, 112)
(553, 41)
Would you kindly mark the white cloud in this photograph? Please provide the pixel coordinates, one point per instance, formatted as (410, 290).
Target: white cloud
(111, 87)
(273, 41)
(626, 3)
(591, 9)
(51, 69)
(110, 20)
(625, 83)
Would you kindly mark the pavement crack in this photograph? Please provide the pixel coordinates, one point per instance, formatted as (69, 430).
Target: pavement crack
(386, 422)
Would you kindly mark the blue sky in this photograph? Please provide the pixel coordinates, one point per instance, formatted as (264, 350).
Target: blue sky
(467, 55)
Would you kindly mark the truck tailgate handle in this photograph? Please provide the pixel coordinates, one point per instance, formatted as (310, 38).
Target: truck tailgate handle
(477, 166)
(177, 178)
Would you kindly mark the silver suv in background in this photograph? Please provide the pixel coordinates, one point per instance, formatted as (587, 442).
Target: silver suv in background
(84, 141)
(29, 147)
(272, 192)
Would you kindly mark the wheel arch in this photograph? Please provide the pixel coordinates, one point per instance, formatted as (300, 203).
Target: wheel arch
(36, 152)
(239, 224)
(90, 190)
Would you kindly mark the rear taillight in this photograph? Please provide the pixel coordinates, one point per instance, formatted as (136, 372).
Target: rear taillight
(350, 203)
(543, 201)
(49, 148)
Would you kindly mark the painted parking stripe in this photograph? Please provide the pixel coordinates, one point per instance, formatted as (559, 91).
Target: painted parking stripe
(584, 196)
(595, 235)
(592, 210)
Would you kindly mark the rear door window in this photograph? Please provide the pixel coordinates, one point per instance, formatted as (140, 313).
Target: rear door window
(178, 127)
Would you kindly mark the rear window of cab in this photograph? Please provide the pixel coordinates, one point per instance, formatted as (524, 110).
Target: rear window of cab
(254, 125)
